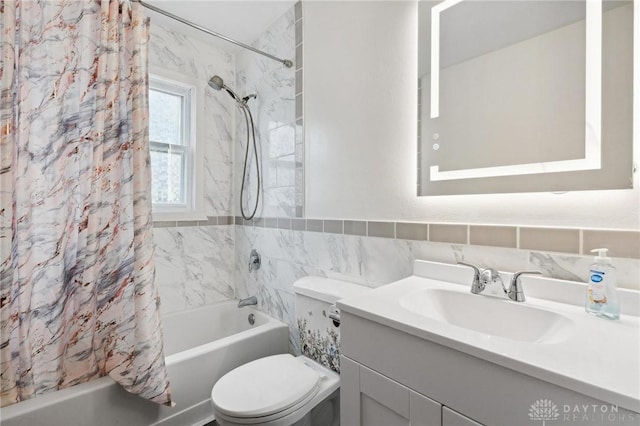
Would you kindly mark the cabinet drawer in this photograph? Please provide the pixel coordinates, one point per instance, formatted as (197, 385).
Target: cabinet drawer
(385, 391)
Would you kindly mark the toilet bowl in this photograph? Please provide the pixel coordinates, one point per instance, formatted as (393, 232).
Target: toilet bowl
(279, 390)
(284, 390)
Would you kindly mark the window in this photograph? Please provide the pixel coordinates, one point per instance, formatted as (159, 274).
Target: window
(172, 144)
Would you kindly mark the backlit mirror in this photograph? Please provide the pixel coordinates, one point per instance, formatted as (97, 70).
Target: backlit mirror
(525, 96)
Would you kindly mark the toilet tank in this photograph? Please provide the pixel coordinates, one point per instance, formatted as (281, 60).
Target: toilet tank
(319, 335)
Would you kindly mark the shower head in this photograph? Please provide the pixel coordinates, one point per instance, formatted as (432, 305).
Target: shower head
(217, 83)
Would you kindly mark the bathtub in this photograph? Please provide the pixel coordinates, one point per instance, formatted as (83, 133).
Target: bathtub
(201, 345)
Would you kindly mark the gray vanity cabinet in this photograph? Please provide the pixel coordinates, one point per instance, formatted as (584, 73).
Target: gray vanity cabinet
(391, 377)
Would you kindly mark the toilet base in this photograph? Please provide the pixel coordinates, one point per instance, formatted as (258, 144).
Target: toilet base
(327, 413)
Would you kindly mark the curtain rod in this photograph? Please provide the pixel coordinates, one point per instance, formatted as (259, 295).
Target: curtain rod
(285, 62)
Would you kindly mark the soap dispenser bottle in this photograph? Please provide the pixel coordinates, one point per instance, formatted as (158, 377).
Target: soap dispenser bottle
(602, 298)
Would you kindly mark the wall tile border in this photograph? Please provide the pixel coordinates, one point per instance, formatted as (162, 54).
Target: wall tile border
(558, 240)
(412, 231)
(493, 236)
(355, 227)
(211, 221)
(449, 233)
(620, 243)
(623, 243)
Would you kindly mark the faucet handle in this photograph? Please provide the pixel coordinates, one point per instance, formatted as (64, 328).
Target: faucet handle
(489, 275)
(515, 288)
(476, 286)
(476, 270)
(254, 260)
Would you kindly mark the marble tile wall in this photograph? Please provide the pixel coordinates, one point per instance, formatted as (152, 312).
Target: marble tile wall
(289, 254)
(195, 259)
(274, 111)
(194, 266)
(170, 50)
(277, 111)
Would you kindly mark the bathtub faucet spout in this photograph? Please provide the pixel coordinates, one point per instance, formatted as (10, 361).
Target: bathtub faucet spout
(253, 300)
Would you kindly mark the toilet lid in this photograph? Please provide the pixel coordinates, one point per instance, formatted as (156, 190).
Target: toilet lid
(264, 386)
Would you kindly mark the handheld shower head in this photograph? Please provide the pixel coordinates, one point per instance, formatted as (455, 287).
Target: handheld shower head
(217, 83)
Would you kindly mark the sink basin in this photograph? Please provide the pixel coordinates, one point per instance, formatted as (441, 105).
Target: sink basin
(488, 315)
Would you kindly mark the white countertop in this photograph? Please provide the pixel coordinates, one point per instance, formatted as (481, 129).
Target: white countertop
(599, 358)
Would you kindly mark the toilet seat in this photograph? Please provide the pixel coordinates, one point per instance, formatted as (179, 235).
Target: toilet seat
(265, 389)
(262, 420)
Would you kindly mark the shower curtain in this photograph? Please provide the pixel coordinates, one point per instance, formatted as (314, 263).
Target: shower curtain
(77, 293)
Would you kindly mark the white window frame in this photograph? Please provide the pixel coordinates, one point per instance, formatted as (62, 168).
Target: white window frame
(192, 119)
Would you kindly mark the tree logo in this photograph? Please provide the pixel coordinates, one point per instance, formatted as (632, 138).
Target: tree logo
(543, 410)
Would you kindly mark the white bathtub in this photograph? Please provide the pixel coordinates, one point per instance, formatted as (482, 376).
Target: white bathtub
(200, 346)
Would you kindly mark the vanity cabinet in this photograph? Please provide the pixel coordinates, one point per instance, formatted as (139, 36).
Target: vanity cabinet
(391, 377)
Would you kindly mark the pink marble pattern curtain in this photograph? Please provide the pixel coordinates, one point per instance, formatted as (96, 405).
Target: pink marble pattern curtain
(77, 294)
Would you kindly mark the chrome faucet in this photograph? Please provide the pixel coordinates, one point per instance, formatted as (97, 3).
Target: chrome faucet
(253, 300)
(487, 276)
(476, 286)
(515, 291)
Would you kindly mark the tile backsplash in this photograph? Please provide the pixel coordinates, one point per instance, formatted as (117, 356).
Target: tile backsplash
(376, 253)
(621, 244)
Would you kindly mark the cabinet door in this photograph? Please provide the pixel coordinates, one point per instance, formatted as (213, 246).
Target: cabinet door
(383, 402)
(453, 418)
(371, 399)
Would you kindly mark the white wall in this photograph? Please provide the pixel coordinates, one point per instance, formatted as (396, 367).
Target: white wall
(360, 86)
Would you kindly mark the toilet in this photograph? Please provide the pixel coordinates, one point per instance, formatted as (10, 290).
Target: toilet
(287, 390)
